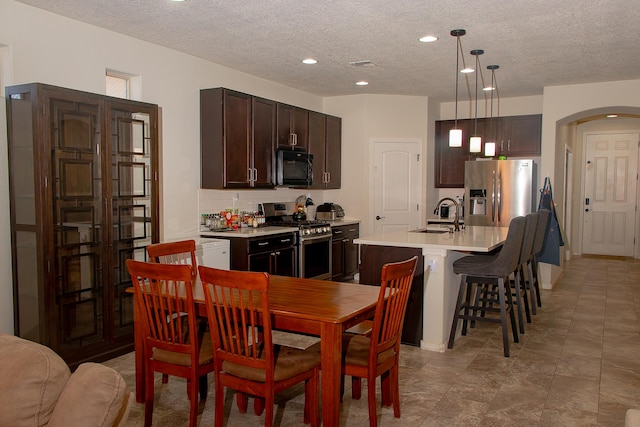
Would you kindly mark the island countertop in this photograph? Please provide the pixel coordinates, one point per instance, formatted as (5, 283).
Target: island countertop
(471, 238)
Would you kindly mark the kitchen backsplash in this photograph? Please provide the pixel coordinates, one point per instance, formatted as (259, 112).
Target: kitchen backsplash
(213, 201)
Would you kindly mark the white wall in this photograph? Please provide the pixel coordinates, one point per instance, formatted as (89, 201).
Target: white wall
(51, 49)
(48, 48)
(367, 117)
(563, 105)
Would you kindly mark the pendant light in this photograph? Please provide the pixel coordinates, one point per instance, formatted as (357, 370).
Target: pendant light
(490, 146)
(455, 134)
(475, 142)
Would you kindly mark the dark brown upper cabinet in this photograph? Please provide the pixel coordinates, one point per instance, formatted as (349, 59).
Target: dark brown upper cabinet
(237, 140)
(515, 136)
(325, 143)
(293, 127)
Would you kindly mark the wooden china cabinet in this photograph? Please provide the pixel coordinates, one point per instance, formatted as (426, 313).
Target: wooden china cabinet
(83, 174)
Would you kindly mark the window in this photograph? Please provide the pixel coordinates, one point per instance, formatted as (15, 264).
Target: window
(117, 86)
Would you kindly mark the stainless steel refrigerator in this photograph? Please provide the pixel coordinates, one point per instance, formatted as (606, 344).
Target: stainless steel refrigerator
(495, 191)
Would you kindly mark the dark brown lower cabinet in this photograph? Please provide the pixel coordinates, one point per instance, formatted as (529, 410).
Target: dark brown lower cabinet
(275, 254)
(83, 174)
(344, 253)
(372, 258)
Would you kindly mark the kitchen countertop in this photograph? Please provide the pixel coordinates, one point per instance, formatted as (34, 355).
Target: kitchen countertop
(438, 220)
(441, 284)
(471, 238)
(249, 232)
(343, 221)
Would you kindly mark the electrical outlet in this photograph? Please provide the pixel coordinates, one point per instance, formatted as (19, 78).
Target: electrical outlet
(433, 264)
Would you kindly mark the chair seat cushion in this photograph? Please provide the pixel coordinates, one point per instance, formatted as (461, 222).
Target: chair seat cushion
(184, 359)
(356, 350)
(289, 362)
(480, 265)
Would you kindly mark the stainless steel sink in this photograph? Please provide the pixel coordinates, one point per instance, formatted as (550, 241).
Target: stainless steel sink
(432, 229)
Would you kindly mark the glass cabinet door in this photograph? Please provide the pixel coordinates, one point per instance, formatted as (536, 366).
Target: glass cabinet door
(78, 223)
(132, 176)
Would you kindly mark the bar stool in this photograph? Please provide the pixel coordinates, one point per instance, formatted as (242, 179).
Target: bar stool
(519, 282)
(495, 273)
(541, 232)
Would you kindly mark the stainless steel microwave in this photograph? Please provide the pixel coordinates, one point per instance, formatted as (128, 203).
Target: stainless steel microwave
(294, 168)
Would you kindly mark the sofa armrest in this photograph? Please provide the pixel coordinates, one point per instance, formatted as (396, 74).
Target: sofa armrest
(632, 419)
(94, 396)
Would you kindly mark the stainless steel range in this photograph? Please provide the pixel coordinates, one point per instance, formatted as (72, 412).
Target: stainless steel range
(314, 239)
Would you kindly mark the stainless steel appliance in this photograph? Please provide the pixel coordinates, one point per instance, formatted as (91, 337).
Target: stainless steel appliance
(329, 212)
(313, 240)
(294, 168)
(498, 190)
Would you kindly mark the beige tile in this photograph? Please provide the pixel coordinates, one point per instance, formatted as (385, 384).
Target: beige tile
(577, 364)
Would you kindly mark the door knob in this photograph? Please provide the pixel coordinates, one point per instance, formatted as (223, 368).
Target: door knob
(586, 210)
(378, 217)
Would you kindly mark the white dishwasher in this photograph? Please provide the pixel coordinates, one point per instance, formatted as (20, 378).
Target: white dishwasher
(213, 252)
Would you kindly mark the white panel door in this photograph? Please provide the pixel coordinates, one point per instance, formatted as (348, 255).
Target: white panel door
(396, 186)
(610, 194)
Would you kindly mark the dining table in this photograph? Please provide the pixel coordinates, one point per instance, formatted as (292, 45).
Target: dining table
(316, 307)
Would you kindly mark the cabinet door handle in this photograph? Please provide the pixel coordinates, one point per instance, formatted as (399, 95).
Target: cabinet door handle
(328, 177)
(255, 175)
(285, 240)
(501, 145)
(508, 145)
(250, 175)
(345, 240)
(263, 243)
(337, 232)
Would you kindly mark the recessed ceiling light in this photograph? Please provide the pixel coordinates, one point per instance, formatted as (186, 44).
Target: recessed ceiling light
(177, 0)
(611, 116)
(428, 39)
(362, 83)
(309, 61)
(488, 88)
(467, 70)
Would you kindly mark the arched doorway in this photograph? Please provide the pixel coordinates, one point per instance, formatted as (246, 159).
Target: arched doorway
(570, 134)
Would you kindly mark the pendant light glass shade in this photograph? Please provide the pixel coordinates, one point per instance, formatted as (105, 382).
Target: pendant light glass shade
(490, 149)
(455, 134)
(475, 144)
(455, 138)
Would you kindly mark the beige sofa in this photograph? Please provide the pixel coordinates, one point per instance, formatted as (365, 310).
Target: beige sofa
(38, 389)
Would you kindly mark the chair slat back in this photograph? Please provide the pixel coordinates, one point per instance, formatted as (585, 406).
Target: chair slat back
(238, 312)
(164, 296)
(181, 252)
(389, 316)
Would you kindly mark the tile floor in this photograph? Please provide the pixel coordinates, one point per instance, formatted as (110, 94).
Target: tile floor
(578, 364)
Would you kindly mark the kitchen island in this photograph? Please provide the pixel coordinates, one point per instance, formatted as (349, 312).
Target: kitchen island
(440, 283)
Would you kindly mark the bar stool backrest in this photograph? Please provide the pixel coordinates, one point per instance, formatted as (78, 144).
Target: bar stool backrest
(507, 260)
(541, 230)
(530, 228)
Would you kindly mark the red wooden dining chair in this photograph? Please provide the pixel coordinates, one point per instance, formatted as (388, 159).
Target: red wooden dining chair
(377, 354)
(245, 356)
(163, 297)
(180, 252)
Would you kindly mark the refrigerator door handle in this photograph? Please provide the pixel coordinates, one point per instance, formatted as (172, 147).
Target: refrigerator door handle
(499, 196)
(493, 196)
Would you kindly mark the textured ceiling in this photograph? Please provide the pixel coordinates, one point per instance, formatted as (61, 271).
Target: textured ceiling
(537, 43)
